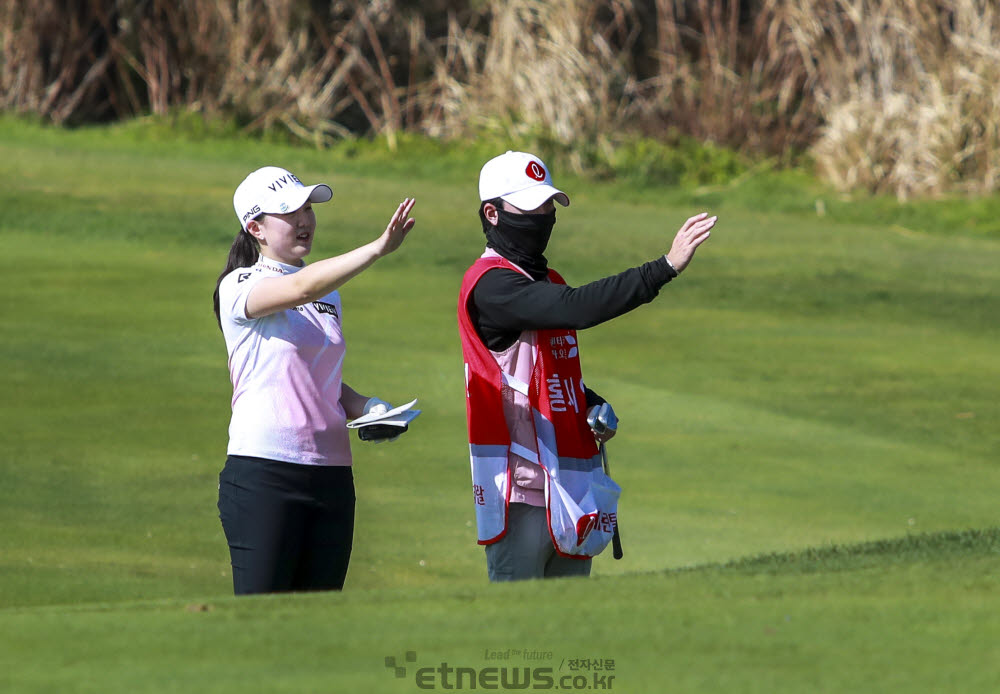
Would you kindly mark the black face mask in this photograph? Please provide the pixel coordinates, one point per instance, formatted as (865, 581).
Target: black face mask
(521, 239)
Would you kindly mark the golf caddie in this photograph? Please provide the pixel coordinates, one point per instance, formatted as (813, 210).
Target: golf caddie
(544, 504)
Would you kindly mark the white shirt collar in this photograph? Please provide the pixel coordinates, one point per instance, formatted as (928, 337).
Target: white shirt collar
(277, 266)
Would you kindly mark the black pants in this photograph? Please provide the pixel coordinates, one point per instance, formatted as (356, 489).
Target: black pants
(290, 527)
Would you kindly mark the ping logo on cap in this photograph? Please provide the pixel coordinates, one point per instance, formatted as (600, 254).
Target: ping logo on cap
(252, 212)
(535, 171)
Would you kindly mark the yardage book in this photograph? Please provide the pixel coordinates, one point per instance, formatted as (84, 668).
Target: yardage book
(396, 417)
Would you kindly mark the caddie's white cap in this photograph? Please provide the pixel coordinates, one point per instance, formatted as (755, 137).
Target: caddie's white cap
(274, 190)
(519, 178)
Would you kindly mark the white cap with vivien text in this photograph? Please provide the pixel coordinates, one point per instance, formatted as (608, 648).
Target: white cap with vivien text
(274, 190)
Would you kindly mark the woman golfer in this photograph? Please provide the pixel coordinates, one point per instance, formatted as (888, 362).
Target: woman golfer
(286, 493)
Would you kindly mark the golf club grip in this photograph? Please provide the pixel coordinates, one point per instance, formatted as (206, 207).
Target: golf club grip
(616, 540)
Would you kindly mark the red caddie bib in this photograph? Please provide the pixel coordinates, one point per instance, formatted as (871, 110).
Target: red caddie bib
(581, 501)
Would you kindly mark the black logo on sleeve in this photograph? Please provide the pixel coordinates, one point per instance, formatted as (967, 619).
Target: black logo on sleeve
(326, 308)
(243, 276)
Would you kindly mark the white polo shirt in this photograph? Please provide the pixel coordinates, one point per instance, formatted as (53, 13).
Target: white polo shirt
(286, 374)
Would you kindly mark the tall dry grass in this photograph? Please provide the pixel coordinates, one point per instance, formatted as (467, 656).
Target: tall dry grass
(733, 72)
(524, 66)
(54, 60)
(316, 72)
(888, 95)
(910, 96)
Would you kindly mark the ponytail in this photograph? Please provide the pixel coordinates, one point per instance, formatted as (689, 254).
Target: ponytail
(244, 252)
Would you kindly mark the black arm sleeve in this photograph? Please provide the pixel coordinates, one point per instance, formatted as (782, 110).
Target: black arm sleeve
(593, 399)
(505, 302)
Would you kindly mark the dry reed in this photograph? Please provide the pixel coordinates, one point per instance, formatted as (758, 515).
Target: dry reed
(892, 96)
(910, 100)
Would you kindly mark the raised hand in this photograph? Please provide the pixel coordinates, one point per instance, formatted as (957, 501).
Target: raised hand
(694, 233)
(399, 226)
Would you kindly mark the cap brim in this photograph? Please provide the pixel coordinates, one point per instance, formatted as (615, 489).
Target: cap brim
(534, 197)
(297, 197)
(320, 192)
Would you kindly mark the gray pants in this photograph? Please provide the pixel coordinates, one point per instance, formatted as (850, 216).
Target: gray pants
(526, 551)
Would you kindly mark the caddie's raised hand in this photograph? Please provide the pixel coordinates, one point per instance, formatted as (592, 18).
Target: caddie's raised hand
(694, 233)
(399, 226)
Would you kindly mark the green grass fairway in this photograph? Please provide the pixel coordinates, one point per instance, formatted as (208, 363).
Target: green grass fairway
(915, 615)
(809, 443)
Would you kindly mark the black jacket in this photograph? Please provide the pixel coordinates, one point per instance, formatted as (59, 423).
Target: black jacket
(505, 303)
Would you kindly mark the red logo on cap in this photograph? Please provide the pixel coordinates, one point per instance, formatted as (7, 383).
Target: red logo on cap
(535, 171)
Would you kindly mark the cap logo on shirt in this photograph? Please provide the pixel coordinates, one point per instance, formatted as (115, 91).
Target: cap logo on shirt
(329, 309)
(535, 171)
